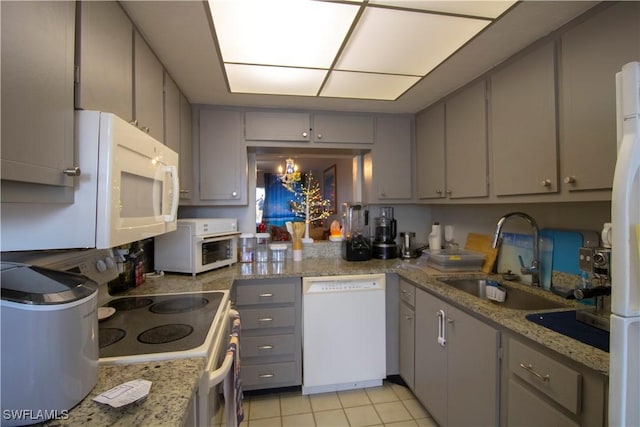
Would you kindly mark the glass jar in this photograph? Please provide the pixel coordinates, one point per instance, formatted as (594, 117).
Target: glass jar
(246, 247)
(262, 247)
(278, 252)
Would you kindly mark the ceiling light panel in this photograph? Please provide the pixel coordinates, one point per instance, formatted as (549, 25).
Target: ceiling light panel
(486, 9)
(274, 80)
(342, 84)
(403, 42)
(295, 33)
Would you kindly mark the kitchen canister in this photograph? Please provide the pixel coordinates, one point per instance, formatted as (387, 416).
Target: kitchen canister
(246, 247)
(262, 247)
(278, 252)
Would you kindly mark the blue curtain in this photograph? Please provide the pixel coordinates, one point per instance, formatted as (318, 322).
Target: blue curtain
(276, 209)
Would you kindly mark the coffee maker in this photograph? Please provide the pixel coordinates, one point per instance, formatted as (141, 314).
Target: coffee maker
(356, 245)
(384, 241)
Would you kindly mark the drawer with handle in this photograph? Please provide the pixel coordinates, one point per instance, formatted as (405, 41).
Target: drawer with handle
(268, 345)
(269, 375)
(261, 318)
(265, 294)
(559, 382)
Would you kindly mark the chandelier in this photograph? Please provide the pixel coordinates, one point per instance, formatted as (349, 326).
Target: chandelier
(289, 174)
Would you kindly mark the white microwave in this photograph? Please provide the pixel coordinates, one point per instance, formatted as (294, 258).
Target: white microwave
(127, 190)
(197, 245)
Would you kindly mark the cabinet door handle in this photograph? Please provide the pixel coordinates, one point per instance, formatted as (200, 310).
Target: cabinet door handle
(266, 319)
(442, 339)
(266, 375)
(319, 136)
(546, 183)
(266, 295)
(265, 347)
(234, 194)
(407, 317)
(305, 134)
(73, 171)
(439, 192)
(569, 179)
(529, 368)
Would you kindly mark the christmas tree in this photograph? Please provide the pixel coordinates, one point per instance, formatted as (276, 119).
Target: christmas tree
(308, 202)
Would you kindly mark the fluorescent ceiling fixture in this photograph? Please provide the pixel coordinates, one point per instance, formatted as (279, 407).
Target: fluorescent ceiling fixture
(403, 42)
(274, 80)
(370, 50)
(486, 9)
(282, 32)
(342, 84)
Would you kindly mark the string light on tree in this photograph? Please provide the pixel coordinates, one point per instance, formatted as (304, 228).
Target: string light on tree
(309, 204)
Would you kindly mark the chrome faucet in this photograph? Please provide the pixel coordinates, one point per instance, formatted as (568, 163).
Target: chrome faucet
(534, 269)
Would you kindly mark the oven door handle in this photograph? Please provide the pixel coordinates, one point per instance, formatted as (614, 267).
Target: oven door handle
(214, 237)
(225, 374)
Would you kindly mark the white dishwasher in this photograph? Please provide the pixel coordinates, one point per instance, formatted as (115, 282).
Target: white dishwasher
(344, 332)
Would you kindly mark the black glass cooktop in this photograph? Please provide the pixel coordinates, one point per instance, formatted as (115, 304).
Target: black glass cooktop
(158, 323)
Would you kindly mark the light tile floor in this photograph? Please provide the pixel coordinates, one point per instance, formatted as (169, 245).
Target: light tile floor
(388, 405)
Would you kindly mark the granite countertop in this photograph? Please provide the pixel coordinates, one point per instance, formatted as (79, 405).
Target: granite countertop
(173, 384)
(412, 270)
(174, 381)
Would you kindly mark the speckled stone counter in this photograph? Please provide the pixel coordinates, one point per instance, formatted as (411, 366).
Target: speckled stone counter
(414, 271)
(179, 377)
(173, 384)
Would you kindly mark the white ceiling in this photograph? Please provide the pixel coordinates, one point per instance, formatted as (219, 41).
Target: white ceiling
(180, 34)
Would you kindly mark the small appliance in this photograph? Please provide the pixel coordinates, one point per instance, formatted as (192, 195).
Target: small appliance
(408, 250)
(357, 244)
(197, 245)
(596, 263)
(127, 191)
(49, 342)
(384, 241)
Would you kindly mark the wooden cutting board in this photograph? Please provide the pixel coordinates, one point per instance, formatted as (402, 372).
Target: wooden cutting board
(482, 243)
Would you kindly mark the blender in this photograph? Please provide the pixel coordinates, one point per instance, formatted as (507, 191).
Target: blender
(384, 242)
(356, 245)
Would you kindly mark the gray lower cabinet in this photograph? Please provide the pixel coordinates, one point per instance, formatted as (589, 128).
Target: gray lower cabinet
(407, 327)
(270, 312)
(541, 389)
(456, 364)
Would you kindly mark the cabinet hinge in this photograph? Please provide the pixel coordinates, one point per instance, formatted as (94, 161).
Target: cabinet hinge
(500, 353)
(76, 74)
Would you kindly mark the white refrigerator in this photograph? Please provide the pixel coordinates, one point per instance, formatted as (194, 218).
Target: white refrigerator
(624, 380)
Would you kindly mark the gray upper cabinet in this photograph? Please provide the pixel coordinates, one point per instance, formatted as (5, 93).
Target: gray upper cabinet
(171, 114)
(37, 99)
(223, 158)
(186, 150)
(523, 125)
(342, 128)
(466, 147)
(430, 153)
(390, 176)
(105, 59)
(590, 55)
(148, 89)
(276, 126)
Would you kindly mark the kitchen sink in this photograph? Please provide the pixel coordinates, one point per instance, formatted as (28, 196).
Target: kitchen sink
(516, 299)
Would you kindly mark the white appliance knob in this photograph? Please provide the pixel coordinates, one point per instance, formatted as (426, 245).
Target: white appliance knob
(109, 262)
(101, 266)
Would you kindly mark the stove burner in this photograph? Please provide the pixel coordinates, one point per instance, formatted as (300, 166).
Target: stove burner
(129, 303)
(180, 304)
(108, 336)
(165, 333)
